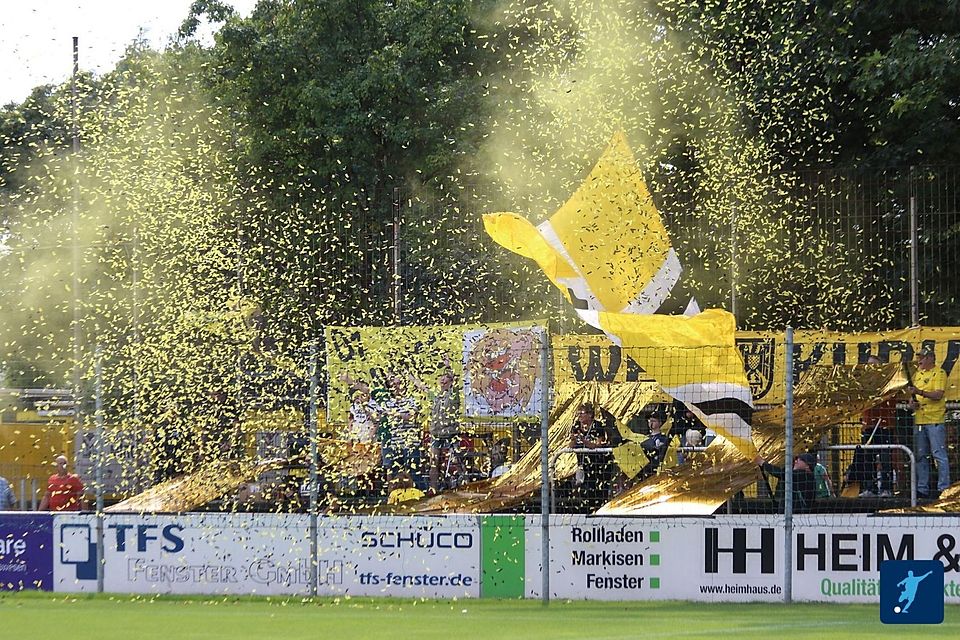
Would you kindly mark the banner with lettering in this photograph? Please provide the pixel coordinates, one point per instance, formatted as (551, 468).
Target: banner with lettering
(592, 358)
(400, 556)
(209, 553)
(495, 367)
(835, 557)
(26, 556)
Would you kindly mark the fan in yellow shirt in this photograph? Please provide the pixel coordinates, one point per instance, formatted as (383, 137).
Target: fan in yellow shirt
(930, 409)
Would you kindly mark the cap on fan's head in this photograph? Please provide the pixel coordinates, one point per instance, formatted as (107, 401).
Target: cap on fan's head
(809, 458)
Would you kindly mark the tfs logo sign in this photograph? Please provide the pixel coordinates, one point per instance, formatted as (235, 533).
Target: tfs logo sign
(142, 534)
(738, 550)
(78, 544)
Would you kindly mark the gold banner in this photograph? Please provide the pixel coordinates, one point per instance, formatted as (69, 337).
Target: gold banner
(593, 358)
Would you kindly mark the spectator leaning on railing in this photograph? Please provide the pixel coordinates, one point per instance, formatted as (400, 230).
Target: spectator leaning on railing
(64, 490)
(804, 481)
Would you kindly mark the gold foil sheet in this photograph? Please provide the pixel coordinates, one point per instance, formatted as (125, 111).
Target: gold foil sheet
(824, 397)
(337, 458)
(523, 480)
(188, 492)
(949, 502)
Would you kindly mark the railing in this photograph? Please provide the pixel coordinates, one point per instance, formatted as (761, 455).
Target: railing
(868, 447)
(839, 447)
(22, 496)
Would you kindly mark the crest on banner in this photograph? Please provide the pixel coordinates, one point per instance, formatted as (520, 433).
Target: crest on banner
(758, 363)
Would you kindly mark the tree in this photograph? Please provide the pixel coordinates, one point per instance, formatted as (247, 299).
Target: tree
(839, 82)
(343, 105)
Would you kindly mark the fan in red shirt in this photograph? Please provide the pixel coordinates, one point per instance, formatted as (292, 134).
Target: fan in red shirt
(64, 490)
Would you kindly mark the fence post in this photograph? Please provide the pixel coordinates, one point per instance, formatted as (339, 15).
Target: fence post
(397, 266)
(75, 225)
(733, 261)
(545, 464)
(98, 466)
(788, 473)
(314, 476)
(914, 266)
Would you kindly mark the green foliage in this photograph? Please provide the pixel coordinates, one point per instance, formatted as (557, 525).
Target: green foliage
(344, 106)
(838, 82)
(365, 92)
(24, 128)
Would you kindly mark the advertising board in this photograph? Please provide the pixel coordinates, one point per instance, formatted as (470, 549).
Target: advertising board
(711, 559)
(656, 559)
(402, 556)
(26, 556)
(839, 560)
(256, 554)
(836, 558)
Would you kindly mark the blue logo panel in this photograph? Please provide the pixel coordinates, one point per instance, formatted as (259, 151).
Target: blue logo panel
(26, 552)
(911, 592)
(78, 546)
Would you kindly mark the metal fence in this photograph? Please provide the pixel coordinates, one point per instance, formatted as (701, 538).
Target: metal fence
(591, 482)
(129, 460)
(886, 243)
(839, 248)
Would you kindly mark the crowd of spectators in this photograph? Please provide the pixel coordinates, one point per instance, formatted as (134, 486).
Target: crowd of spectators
(416, 462)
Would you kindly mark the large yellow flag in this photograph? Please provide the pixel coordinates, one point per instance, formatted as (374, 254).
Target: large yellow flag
(608, 251)
(606, 248)
(695, 360)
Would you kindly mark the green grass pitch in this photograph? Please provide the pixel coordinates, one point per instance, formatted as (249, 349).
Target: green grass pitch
(36, 616)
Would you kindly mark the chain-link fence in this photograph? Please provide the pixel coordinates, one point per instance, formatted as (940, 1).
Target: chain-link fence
(447, 418)
(839, 248)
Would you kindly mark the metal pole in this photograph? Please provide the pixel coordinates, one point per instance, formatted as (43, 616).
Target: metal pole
(77, 400)
(73, 92)
(788, 475)
(98, 467)
(23, 494)
(141, 480)
(545, 465)
(135, 320)
(914, 266)
(397, 308)
(314, 476)
(733, 261)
